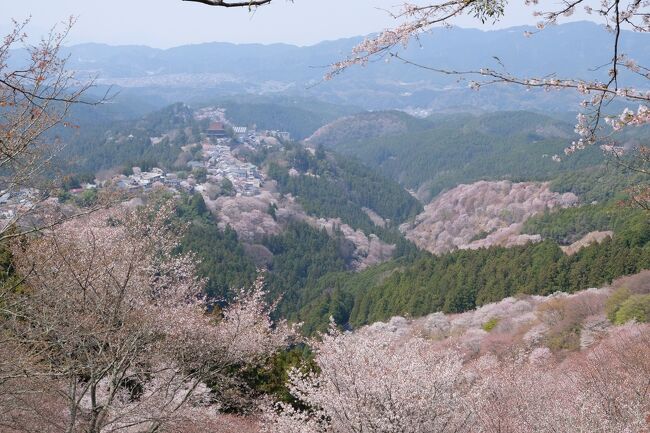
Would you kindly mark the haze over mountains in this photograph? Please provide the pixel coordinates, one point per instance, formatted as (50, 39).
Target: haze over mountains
(225, 69)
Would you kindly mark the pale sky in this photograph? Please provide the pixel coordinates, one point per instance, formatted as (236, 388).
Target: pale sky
(167, 23)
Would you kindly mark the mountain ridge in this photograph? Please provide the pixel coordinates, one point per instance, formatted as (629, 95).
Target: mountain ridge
(228, 68)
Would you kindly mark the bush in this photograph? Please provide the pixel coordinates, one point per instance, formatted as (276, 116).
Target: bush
(200, 174)
(565, 316)
(636, 307)
(87, 198)
(619, 296)
(490, 324)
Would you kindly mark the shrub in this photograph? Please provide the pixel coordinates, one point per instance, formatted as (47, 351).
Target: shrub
(636, 307)
(87, 198)
(615, 301)
(564, 317)
(490, 324)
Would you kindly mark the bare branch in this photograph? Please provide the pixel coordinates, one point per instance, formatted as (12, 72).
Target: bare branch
(236, 4)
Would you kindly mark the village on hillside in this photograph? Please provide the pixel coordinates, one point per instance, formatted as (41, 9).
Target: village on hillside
(214, 169)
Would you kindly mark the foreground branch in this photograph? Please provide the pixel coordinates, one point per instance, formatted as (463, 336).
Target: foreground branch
(236, 4)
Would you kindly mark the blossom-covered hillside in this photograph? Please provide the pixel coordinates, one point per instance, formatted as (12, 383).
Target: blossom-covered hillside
(561, 363)
(482, 214)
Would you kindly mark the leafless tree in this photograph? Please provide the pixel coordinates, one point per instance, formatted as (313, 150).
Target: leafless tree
(36, 94)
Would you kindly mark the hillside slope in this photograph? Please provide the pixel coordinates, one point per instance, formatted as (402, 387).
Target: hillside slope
(445, 151)
(365, 126)
(482, 214)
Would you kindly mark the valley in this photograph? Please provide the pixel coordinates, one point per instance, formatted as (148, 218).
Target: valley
(431, 228)
(339, 238)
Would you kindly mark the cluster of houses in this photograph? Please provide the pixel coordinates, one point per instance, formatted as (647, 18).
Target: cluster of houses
(145, 180)
(218, 161)
(221, 164)
(14, 202)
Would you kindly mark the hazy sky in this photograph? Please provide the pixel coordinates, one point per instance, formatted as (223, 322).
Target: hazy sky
(166, 23)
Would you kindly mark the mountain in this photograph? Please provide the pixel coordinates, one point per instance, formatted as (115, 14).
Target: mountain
(366, 126)
(299, 116)
(438, 153)
(226, 69)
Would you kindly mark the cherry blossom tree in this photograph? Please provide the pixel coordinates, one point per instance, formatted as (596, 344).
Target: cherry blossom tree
(112, 324)
(381, 381)
(376, 384)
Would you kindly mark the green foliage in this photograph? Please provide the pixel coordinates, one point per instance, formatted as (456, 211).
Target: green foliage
(566, 226)
(302, 255)
(636, 307)
(222, 260)
(200, 174)
(227, 188)
(464, 149)
(299, 117)
(463, 280)
(63, 196)
(615, 301)
(488, 10)
(69, 182)
(107, 142)
(490, 324)
(566, 338)
(87, 198)
(564, 321)
(600, 183)
(338, 187)
(7, 270)
(272, 211)
(272, 378)
(480, 235)
(127, 170)
(334, 295)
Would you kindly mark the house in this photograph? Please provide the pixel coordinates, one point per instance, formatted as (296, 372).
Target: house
(216, 130)
(284, 136)
(280, 135)
(195, 164)
(240, 133)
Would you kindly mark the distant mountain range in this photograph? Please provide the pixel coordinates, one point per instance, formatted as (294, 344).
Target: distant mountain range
(570, 50)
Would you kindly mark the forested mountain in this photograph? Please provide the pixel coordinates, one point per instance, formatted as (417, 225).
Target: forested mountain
(463, 48)
(365, 126)
(460, 281)
(444, 151)
(337, 187)
(127, 131)
(298, 116)
(101, 140)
